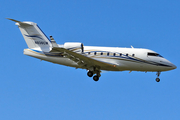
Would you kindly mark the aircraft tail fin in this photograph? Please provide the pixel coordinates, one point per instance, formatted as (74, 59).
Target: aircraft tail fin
(33, 35)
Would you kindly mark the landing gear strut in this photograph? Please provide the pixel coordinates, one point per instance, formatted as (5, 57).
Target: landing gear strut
(158, 74)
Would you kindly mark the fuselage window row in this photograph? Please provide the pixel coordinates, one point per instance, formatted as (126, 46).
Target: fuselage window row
(109, 54)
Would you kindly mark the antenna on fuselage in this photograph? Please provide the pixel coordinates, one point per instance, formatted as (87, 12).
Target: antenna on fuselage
(132, 46)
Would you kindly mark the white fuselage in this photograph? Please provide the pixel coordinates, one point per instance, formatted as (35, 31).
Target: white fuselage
(93, 59)
(131, 59)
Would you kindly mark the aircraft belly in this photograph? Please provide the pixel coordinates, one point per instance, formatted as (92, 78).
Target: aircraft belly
(123, 65)
(57, 60)
(132, 66)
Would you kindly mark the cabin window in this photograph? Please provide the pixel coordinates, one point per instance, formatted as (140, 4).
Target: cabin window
(107, 54)
(114, 54)
(154, 54)
(89, 53)
(101, 53)
(120, 54)
(94, 53)
(126, 54)
(133, 55)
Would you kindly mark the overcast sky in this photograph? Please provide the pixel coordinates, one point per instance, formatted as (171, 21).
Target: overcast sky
(31, 89)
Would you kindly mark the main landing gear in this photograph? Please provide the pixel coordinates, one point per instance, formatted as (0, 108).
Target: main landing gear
(96, 77)
(158, 74)
(90, 73)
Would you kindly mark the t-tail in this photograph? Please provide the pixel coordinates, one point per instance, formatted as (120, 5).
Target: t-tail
(33, 35)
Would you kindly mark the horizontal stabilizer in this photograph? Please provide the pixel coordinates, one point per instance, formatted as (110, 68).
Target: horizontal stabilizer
(19, 22)
(14, 20)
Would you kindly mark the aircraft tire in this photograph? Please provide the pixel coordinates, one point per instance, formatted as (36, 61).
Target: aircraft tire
(90, 73)
(95, 78)
(157, 80)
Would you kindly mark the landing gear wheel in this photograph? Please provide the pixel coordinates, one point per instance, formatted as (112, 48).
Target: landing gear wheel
(96, 78)
(157, 80)
(90, 73)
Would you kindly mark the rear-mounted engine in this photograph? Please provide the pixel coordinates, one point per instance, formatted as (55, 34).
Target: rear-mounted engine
(74, 46)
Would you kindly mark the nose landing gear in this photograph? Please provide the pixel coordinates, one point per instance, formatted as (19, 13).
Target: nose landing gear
(158, 74)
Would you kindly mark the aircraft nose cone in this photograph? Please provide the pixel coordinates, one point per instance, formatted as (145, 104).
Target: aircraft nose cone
(171, 65)
(174, 66)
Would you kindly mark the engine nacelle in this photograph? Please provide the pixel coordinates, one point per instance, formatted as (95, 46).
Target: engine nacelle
(74, 46)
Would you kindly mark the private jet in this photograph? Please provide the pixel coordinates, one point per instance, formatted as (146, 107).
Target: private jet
(92, 58)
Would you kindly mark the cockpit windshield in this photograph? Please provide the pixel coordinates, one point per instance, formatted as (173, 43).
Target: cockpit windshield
(154, 54)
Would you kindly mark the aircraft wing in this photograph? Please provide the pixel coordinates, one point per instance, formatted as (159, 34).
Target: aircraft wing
(84, 61)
